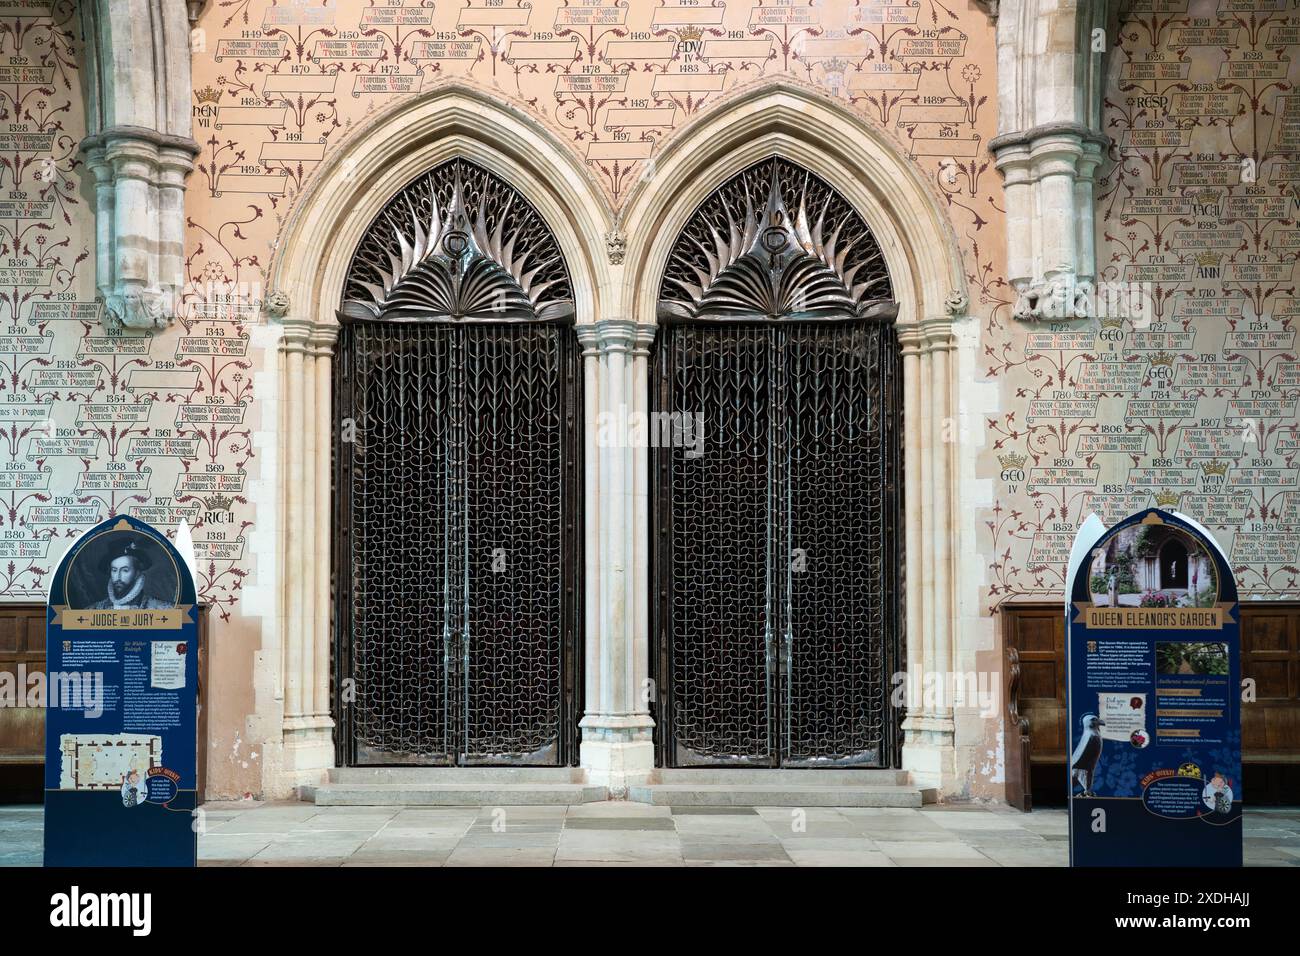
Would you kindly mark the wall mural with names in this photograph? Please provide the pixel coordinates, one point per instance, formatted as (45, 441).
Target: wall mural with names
(1192, 408)
(1192, 405)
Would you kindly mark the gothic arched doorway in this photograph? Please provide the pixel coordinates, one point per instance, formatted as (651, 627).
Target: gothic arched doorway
(1173, 565)
(457, 461)
(778, 546)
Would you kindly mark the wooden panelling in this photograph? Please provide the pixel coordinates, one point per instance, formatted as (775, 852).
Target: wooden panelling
(1270, 727)
(1038, 633)
(22, 653)
(1270, 656)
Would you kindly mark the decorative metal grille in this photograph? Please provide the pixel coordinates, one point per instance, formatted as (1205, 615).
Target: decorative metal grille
(798, 252)
(458, 243)
(778, 619)
(457, 395)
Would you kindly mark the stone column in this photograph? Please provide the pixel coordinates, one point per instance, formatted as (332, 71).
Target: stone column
(323, 343)
(140, 221)
(915, 656)
(1049, 173)
(617, 748)
(105, 197)
(306, 351)
(1053, 160)
(929, 449)
(1087, 162)
(137, 85)
(174, 165)
(1051, 76)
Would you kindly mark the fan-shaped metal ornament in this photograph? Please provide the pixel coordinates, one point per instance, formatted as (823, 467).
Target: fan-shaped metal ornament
(458, 245)
(798, 252)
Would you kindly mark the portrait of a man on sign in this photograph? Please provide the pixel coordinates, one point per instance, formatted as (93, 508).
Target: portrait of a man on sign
(122, 570)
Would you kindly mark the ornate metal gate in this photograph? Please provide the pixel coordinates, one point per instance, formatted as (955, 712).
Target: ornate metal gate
(456, 466)
(778, 612)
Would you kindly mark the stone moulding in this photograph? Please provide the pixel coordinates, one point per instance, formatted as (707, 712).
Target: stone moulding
(137, 88)
(1050, 176)
(1051, 69)
(615, 286)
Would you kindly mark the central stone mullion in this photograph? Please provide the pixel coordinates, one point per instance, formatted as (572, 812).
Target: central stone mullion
(617, 748)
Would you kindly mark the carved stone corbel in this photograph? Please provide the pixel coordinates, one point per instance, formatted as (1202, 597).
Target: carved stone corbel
(1063, 297)
(137, 310)
(276, 304)
(616, 246)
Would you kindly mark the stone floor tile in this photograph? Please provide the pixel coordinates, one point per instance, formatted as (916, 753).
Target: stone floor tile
(614, 833)
(619, 823)
(734, 851)
(501, 856)
(934, 851)
(945, 862)
(626, 808)
(846, 857)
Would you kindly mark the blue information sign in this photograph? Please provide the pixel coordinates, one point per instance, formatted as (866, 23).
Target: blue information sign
(1154, 676)
(120, 726)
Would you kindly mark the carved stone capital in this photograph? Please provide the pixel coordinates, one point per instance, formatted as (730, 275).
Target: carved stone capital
(1072, 137)
(936, 335)
(307, 337)
(615, 335)
(910, 339)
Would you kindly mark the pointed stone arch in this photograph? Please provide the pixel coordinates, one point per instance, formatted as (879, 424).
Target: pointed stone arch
(864, 165)
(306, 285)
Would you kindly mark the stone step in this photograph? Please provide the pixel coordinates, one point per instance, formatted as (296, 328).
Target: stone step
(451, 794)
(776, 795)
(829, 777)
(473, 776)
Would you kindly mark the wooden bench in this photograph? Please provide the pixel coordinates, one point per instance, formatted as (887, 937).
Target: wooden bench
(1037, 726)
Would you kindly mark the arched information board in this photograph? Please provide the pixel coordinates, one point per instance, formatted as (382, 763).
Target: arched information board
(1154, 675)
(120, 721)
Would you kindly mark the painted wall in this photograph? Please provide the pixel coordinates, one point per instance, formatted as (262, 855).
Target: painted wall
(1199, 403)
